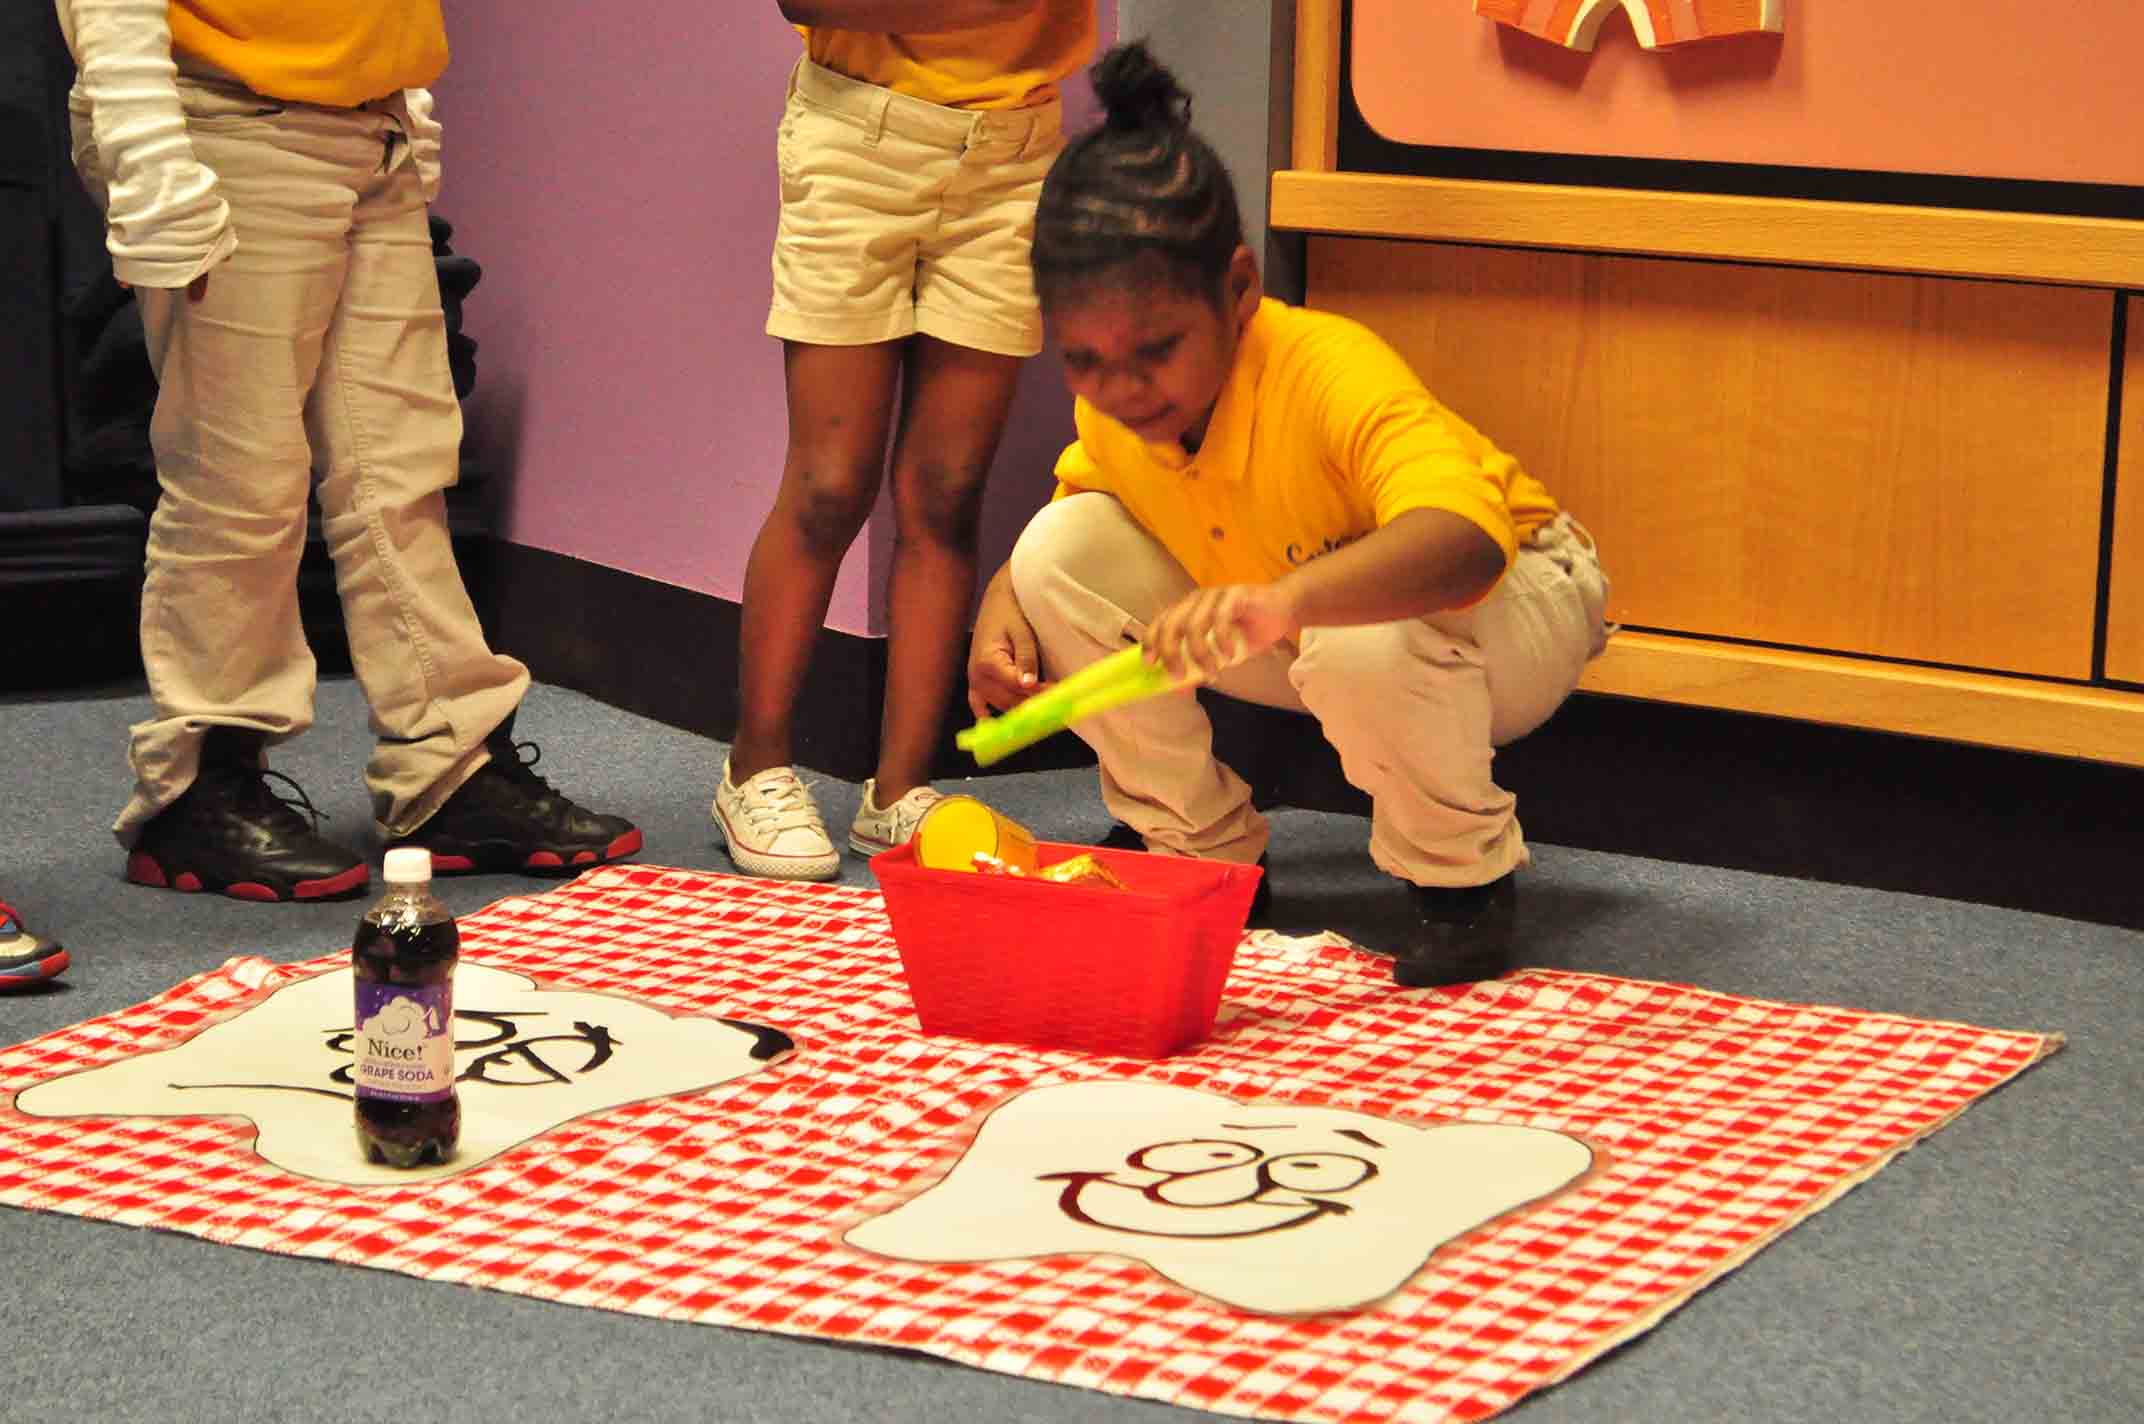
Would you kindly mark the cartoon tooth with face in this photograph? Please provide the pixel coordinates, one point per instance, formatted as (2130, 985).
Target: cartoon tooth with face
(1262, 1206)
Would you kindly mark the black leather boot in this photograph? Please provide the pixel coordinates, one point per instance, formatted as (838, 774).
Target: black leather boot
(507, 818)
(231, 833)
(1466, 934)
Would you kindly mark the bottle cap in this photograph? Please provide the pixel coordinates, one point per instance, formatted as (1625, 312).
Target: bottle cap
(407, 865)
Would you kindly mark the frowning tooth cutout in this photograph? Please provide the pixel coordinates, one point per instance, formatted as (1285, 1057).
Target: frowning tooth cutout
(527, 1060)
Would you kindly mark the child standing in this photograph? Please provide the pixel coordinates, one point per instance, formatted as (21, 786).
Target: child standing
(1269, 497)
(264, 166)
(912, 149)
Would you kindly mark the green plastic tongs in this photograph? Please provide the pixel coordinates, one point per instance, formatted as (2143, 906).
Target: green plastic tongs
(1122, 677)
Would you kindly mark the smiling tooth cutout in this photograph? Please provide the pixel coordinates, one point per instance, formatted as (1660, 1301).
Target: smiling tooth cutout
(1265, 1207)
(527, 1060)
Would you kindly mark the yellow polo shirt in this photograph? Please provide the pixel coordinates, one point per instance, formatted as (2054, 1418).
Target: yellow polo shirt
(1008, 65)
(335, 52)
(1321, 434)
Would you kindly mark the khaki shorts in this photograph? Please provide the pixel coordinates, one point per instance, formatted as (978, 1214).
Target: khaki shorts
(901, 216)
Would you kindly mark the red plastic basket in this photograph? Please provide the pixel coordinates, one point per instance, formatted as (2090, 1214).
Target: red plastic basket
(1131, 973)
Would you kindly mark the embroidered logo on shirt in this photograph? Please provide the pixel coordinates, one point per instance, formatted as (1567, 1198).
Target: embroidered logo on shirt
(1301, 554)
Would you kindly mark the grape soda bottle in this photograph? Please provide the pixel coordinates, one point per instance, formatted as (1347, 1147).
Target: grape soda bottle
(403, 963)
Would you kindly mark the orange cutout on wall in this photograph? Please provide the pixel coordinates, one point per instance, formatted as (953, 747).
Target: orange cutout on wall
(1659, 23)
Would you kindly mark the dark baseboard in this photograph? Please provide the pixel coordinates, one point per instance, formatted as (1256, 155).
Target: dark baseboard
(1684, 784)
(670, 654)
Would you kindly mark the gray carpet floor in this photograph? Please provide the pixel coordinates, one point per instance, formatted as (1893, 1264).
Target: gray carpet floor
(1991, 1274)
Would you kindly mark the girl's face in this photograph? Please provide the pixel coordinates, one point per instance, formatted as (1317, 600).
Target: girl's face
(1151, 355)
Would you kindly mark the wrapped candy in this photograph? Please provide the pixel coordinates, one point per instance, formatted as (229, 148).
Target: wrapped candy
(1081, 870)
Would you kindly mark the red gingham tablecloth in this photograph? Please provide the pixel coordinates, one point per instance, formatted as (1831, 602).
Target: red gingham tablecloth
(1723, 1122)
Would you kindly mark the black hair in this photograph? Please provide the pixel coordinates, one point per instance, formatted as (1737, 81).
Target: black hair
(1143, 187)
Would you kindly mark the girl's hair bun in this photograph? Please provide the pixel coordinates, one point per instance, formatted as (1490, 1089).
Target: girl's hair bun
(1137, 92)
(1139, 187)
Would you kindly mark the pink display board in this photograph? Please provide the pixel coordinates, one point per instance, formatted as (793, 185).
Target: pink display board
(1984, 88)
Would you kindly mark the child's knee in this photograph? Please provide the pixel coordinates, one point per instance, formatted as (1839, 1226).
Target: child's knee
(828, 503)
(940, 502)
(1047, 543)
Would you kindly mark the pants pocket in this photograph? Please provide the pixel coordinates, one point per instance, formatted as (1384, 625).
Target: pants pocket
(218, 105)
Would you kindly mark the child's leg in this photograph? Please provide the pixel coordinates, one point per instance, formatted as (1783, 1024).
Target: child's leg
(953, 408)
(840, 405)
(1408, 707)
(1416, 708)
(977, 318)
(221, 640)
(1089, 579)
(386, 433)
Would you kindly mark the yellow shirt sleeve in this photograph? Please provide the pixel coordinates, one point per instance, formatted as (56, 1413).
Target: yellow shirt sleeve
(1395, 441)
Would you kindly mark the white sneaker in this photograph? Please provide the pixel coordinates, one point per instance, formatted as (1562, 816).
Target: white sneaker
(874, 831)
(772, 828)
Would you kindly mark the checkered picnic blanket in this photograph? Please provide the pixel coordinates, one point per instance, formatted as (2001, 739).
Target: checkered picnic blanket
(1723, 1121)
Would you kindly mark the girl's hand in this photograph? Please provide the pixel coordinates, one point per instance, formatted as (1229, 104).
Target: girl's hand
(1215, 628)
(1004, 660)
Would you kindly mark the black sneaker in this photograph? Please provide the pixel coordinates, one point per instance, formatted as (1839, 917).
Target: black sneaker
(1123, 837)
(231, 833)
(1466, 934)
(507, 818)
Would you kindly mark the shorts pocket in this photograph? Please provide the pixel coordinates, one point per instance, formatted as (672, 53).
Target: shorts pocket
(809, 137)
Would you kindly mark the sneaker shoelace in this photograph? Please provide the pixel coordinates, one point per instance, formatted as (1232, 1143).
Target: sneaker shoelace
(908, 812)
(778, 801)
(520, 768)
(280, 811)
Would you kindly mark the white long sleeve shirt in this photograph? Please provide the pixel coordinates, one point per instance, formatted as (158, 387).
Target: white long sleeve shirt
(166, 223)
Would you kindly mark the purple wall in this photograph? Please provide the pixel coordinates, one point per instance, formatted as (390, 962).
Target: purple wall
(617, 184)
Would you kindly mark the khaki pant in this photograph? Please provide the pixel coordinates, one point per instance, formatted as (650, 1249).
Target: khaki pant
(318, 358)
(1415, 708)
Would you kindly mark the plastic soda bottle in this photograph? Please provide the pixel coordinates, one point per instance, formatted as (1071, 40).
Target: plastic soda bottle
(403, 962)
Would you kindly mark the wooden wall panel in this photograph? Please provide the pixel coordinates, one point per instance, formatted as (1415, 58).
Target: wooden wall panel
(1903, 467)
(2025, 714)
(1797, 232)
(2125, 594)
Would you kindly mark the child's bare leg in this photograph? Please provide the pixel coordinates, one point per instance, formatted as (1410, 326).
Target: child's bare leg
(953, 411)
(840, 405)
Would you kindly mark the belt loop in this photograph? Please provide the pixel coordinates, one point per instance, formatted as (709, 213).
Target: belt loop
(876, 128)
(1033, 143)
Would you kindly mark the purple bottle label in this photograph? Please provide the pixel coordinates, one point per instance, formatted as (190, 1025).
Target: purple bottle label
(405, 1041)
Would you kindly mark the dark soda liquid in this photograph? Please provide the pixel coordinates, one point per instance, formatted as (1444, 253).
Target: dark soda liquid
(413, 955)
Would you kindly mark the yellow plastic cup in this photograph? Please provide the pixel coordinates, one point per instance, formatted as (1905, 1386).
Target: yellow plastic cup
(957, 829)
